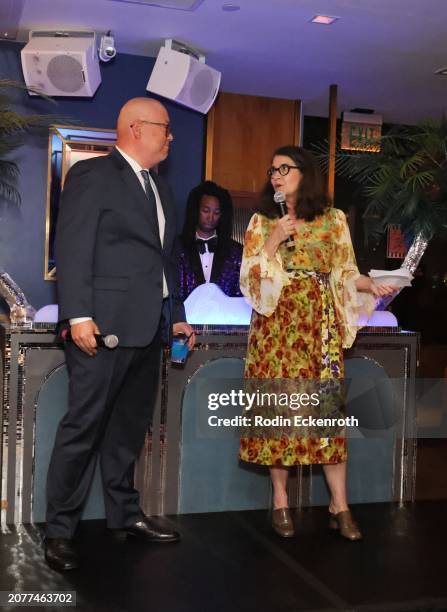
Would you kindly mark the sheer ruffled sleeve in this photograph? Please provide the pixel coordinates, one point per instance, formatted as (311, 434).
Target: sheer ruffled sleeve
(351, 305)
(262, 279)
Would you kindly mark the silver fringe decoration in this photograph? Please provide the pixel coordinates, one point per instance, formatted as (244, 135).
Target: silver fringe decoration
(411, 262)
(21, 312)
(415, 253)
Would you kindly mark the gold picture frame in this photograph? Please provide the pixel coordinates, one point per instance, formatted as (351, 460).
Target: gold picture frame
(66, 146)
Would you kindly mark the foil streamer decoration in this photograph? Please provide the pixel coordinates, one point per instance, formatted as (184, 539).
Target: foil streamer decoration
(20, 311)
(411, 262)
(415, 253)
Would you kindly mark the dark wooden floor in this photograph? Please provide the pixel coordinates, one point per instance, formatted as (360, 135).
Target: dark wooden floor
(232, 562)
(431, 470)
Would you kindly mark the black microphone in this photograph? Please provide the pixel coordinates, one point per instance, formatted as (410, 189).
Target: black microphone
(110, 341)
(280, 199)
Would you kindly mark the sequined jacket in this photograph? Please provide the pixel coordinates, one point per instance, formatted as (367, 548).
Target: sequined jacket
(225, 271)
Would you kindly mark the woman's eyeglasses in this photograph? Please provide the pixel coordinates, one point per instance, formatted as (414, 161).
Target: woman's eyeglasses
(283, 169)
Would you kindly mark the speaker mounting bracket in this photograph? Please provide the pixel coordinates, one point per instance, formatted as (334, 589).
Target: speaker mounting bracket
(182, 47)
(61, 34)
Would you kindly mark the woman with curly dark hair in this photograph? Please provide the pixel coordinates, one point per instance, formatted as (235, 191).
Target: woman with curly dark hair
(209, 254)
(306, 299)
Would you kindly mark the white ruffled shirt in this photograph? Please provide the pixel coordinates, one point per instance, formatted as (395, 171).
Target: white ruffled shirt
(206, 258)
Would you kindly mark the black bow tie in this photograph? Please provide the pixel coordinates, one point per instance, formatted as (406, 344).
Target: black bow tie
(211, 242)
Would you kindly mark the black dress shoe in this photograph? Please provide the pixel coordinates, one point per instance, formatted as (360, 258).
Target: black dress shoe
(60, 554)
(147, 529)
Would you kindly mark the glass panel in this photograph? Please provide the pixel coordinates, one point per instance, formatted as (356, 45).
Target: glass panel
(68, 145)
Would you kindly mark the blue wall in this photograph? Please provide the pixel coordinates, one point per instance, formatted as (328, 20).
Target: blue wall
(22, 233)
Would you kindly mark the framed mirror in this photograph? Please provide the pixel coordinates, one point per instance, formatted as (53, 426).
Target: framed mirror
(66, 146)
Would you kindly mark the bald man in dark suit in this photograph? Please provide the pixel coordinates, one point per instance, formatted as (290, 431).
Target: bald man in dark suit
(116, 267)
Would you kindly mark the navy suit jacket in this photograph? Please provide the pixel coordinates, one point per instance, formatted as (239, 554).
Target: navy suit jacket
(109, 257)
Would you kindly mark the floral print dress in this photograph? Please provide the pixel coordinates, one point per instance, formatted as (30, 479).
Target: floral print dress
(305, 311)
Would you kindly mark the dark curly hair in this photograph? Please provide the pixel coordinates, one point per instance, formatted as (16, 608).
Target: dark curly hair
(225, 226)
(312, 200)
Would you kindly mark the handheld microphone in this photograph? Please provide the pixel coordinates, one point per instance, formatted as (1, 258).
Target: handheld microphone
(280, 199)
(110, 341)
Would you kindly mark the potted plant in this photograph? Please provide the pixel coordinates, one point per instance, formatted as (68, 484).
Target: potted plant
(405, 183)
(13, 127)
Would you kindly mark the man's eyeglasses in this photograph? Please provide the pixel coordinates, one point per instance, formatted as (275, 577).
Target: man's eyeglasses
(283, 169)
(167, 126)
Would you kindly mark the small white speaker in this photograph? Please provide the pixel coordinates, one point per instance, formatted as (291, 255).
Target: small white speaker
(184, 79)
(62, 65)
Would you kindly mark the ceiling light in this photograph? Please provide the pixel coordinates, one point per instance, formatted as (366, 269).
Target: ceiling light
(324, 19)
(441, 71)
(231, 8)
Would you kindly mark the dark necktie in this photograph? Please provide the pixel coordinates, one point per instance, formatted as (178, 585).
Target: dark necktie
(211, 242)
(151, 197)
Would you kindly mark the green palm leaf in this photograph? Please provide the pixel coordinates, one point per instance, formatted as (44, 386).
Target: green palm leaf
(13, 128)
(406, 182)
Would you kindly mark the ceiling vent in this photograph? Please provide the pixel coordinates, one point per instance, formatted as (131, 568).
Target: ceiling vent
(179, 5)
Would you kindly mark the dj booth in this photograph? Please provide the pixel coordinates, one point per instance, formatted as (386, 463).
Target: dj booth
(185, 467)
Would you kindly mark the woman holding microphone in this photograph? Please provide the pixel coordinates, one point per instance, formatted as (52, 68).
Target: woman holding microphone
(306, 298)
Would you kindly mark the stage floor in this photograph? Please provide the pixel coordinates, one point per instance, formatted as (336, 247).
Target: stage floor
(233, 562)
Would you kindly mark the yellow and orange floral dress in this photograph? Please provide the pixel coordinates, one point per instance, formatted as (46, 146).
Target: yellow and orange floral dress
(305, 311)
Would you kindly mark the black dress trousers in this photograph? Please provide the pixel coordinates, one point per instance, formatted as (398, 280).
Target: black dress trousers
(111, 400)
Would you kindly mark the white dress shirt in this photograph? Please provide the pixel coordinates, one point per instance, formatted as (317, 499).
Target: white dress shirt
(206, 258)
(160, 214)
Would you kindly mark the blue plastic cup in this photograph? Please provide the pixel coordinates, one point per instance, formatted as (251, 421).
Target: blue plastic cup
(179, 349)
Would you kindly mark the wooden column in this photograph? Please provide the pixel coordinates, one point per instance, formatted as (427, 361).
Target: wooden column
(298, 124)
(210, 121)
(352, 210)
(332, 136)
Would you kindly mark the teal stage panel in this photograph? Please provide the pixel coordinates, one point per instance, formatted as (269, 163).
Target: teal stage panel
(51, 405)
(212, 479)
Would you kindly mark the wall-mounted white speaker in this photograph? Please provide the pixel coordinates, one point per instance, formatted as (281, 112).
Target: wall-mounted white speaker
(184, 79)
(62, 65)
